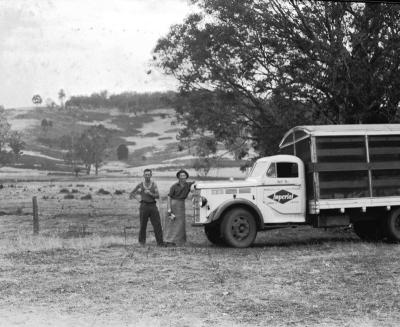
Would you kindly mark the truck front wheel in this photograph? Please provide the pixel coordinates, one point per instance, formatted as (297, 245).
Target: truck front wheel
(239, 228)
(213, 233)
(393, 225)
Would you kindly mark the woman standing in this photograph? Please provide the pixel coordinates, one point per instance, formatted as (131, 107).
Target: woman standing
(175, 226)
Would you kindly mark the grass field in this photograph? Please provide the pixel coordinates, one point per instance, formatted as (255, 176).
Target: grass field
(82, 271)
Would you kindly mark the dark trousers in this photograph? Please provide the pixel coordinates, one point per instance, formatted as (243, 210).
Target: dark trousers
(149, 210)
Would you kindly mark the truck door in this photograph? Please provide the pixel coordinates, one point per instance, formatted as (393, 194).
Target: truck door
(282, 196)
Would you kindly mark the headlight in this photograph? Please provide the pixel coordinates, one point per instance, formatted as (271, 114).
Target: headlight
(203, 201)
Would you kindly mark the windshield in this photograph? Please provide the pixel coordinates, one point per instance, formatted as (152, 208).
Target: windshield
(259, 169)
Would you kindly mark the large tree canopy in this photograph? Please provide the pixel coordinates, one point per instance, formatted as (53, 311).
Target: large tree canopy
(250, 69)
(11, 142)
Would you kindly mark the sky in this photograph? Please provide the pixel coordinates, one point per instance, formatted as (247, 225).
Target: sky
(82, 46)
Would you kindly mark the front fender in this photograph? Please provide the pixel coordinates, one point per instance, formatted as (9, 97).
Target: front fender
(244, 203)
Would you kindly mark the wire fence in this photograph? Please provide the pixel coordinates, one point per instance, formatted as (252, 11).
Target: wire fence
(103, 216)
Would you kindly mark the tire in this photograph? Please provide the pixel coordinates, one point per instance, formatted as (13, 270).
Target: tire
(370, 230)
(239, 228)
(213, 233)
(393, 226)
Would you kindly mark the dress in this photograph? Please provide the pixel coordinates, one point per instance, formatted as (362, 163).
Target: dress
(175, 230)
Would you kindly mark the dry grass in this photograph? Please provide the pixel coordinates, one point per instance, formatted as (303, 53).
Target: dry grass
(292, 277)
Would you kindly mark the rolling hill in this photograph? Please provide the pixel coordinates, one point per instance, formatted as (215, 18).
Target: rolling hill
(150, 137)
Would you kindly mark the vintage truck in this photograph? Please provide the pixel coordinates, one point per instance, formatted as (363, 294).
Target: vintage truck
(324, 176)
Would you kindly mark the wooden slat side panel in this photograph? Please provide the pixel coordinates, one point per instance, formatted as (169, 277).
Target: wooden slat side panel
(346, 184)
(384, 148)
(386, 182)
(341, 149)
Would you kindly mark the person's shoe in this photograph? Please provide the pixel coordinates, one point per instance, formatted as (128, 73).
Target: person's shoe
(162, 245)
(170, 244)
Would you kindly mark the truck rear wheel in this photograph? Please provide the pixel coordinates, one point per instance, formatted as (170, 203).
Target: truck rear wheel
(393, 225)
(213, 233)
(370, 230)
(239, 228)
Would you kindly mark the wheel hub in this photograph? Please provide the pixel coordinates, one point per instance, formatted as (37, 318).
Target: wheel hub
(240, 228)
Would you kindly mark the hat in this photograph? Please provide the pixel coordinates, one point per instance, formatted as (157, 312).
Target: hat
(182, 171)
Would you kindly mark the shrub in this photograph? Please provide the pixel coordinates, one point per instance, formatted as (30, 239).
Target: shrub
(69, 196)
(122, 152)
(103, 191)
(86, 197)
(64, 190)
(151, 134)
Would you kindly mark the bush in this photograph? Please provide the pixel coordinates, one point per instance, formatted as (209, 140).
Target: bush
(64, 190)
(69, 196)
(122, 152)
(103, 191)
(119, 192)
(86, 197)
(151, 134)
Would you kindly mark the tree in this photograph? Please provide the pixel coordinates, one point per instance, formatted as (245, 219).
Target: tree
(70, 156)
(122, 152)
(248, 70)
(91, 145)
(50, 103)
(37, 99)
(202, 166)
(61, 97)
(46, 124)
(11, 142)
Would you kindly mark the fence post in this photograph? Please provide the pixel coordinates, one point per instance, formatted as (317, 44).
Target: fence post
(35, 216)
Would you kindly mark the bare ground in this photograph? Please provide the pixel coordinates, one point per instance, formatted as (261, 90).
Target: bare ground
(82, 271)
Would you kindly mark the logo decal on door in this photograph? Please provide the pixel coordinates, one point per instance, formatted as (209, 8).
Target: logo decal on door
(282, 196)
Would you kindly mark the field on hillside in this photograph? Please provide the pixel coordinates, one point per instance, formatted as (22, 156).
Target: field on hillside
(149, 136)
(80, 270)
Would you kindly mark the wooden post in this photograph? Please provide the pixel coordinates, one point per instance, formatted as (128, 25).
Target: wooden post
(35, 216)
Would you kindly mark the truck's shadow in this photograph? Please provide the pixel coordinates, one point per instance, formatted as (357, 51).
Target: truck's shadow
(305, 242)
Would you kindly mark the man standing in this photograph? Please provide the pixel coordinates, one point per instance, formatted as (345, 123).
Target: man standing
(147, 192)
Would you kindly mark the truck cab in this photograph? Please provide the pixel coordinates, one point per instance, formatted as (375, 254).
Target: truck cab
(273, 193)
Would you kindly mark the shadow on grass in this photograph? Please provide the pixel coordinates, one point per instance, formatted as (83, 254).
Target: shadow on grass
(305, 242)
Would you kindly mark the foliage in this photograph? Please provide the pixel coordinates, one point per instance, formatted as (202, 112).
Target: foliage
(202, 166)
(91, 145)
(248, 70)
(11, 143)
(61, 97)
(122, 152)
(50, 103)
(127, 101)
(46, 124)
(37, 99)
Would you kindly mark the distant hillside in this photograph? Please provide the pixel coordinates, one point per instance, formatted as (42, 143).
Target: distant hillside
(149, 135)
